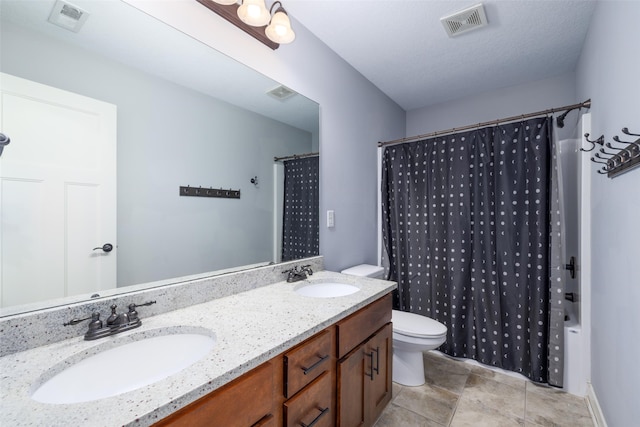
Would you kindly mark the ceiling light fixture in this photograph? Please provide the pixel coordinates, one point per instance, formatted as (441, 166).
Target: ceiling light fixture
(252, 16)
(279, 30)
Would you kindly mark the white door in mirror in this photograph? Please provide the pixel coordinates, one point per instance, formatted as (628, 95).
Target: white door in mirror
(58, 193)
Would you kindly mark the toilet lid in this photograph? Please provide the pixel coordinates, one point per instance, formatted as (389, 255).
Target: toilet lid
(415, 325)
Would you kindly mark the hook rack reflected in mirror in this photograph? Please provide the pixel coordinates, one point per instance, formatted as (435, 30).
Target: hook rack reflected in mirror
(209, 192)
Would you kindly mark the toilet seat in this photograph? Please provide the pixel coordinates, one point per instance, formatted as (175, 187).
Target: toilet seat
(417, 326)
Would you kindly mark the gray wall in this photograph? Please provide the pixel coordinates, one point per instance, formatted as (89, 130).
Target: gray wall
(609, 73)
(354, 116)
(526, 98)
(170, 136)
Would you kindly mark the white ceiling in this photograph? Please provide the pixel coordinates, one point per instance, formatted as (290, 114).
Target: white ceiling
(403, 49)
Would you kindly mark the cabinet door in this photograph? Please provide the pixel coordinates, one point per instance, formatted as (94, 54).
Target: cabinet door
(379, 388)
(245, 402)
(351, 389)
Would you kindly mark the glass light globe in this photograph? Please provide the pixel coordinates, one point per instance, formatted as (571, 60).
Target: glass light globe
(279, 30)
(254, 13)
(225, 2)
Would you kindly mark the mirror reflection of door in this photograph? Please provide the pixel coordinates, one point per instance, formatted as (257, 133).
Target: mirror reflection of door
(57, 193)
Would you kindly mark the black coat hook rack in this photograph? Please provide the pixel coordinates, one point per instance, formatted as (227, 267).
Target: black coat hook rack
(209, 192)
(618, 161)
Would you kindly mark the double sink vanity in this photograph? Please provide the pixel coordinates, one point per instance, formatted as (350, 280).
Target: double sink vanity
(314, 352)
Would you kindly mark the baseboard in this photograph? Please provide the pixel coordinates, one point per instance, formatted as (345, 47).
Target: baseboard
(594, 407)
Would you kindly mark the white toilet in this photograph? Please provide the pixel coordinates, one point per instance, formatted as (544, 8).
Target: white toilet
(412, 335)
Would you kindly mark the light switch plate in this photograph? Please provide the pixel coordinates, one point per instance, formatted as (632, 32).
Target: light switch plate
(331, 219)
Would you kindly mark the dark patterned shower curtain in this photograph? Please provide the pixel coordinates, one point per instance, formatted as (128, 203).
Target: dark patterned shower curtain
(300, 232)
(466, 230)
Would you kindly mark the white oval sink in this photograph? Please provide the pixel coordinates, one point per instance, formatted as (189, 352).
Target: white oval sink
(326, 289)
(124, 368)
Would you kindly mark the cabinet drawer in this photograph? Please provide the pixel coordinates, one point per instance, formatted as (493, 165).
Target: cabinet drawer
(312, 406)
(306, 362)
(362, 324)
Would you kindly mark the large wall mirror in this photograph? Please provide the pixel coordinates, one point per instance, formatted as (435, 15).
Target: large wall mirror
(107, 122)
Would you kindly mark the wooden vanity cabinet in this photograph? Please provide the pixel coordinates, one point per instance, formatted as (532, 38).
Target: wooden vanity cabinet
(245, 402)
(364, 371)
(340, 376)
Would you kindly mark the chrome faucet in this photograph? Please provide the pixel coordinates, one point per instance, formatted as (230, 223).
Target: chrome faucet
(115, 323)
(297, 273)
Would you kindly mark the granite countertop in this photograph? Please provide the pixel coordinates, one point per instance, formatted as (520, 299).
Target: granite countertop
(250, 328)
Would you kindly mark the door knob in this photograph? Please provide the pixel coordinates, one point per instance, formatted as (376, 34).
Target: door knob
(4, 141)
(107, 247)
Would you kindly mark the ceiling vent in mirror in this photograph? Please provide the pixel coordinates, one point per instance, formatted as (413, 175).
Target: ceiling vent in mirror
(465, 20)
(281, 93)
(68, 16)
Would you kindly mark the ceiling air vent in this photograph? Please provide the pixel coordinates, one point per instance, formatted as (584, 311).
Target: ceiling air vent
(68, 16)
(281, 93)
(465, 20)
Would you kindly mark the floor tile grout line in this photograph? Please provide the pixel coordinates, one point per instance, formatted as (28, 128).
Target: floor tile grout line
(427, 418)
(455, 409)
(526, 391)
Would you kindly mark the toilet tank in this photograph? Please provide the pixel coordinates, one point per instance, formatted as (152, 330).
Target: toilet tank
(365, 270)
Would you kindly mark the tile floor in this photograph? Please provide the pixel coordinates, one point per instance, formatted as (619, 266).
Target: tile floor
(461, 394)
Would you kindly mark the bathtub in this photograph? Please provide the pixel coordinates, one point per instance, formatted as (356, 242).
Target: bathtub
(575, 354)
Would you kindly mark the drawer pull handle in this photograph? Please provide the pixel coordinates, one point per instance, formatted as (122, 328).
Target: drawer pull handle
(370, 374)
(315, 365)
(377, 368)
(262, 421)
(322, 413)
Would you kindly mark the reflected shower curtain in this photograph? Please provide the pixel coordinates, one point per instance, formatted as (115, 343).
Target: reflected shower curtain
(300, 232)
(466, 230)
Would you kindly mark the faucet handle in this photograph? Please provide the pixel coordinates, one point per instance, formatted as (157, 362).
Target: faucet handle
(133, 314)
(95, 323)
(141, 305)
(291, 274)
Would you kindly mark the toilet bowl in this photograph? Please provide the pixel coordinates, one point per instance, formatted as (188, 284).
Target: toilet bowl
(413, 334)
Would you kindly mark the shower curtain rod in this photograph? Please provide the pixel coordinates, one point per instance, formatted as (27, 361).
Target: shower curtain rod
(585, 104)
(295, 156)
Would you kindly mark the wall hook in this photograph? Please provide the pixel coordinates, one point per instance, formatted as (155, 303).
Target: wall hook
(593, 143)
(616, 139)
(254, 181)
(626, 131)
(621, 161)
(603, 158)
(595, 161)
(608, 145)
(603, 151)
